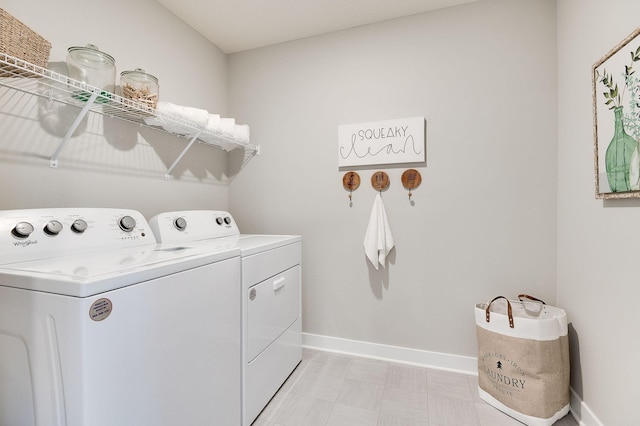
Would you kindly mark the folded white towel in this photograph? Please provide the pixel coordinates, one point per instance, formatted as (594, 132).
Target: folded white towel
(241, 133)
(167, 111)
(378, 240)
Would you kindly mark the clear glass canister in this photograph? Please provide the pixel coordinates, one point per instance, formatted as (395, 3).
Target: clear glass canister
(139, 86)
(93, 67)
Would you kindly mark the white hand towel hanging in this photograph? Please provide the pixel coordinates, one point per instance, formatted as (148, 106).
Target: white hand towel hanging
(378, 241)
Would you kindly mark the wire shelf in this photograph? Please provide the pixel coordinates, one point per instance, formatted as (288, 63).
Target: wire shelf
(26, 77)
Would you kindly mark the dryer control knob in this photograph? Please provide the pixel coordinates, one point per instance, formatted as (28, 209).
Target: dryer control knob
(180, 223)
(219, 220)
(127, 223)
(227, 220)
(53, 227)
(22, 229)
(79, 226)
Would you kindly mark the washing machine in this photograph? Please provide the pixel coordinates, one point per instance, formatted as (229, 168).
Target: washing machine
(271, 291)
(102, 326)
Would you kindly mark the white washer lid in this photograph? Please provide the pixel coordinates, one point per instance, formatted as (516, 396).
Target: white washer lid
(89, 274)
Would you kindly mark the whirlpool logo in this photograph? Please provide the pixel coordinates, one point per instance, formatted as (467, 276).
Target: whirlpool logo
(25, 243)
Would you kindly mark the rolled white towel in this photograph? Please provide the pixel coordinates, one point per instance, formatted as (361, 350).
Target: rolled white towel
(167, 110)
(228, 126)
(195, 115)
(213, 130)
(242, 133)
(213, 123)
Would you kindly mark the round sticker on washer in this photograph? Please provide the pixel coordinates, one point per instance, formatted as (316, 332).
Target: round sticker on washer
(100, 309)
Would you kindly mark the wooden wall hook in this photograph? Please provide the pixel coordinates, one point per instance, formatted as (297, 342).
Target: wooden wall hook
(411, 179)
(351, 181)
(380, 181)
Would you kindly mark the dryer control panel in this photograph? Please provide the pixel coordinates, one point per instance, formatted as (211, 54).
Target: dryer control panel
(192, 225)
(41, 233)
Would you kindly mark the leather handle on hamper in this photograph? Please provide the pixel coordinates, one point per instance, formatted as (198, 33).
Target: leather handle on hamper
(509, 311)
(526, 296)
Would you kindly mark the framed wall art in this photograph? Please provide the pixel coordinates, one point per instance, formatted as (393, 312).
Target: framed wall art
(382, 142)
(616, 120)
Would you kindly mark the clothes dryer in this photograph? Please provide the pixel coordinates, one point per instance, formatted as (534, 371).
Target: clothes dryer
(271, 297)
(102, 326)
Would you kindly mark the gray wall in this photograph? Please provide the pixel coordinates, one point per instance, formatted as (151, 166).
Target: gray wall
(598, 280)
(109, 163)
(492, 79)
(484, 219)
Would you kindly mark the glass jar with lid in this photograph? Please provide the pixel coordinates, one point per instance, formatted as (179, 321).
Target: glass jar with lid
(91, 66)
(139, 86)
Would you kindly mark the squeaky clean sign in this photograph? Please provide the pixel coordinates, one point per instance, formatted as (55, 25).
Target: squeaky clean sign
(382, 142)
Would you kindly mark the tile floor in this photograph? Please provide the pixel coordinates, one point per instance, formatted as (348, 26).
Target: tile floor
(328, 389)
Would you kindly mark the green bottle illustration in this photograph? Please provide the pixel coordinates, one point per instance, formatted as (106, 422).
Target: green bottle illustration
(618, 156)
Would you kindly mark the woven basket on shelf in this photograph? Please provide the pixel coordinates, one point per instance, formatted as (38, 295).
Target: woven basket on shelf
(20, 41)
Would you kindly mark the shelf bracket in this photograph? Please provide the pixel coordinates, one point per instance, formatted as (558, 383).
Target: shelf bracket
(53, 161)
(167, 175)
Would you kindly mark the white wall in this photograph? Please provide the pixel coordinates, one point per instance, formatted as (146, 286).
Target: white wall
(111, 163)
(484, 219)
(598, 280)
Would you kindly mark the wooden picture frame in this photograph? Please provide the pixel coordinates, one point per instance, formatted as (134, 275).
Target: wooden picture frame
(616, 120)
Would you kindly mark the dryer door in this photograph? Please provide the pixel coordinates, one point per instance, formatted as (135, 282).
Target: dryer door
(274, 304)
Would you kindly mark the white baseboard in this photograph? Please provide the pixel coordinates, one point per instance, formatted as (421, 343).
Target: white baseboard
(435, 360)
(581, 412)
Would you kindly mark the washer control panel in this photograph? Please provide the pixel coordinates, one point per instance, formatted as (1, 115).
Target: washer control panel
(192, 225)
(40, 233)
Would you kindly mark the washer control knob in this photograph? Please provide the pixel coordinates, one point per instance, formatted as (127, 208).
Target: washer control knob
(22, 229)
(79, 226)
(227, 220)
(180, 223)
(219, 220)
(127, 223)
(53, 227)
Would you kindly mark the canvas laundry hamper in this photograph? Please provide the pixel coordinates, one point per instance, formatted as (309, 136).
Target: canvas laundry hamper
(523, 359)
